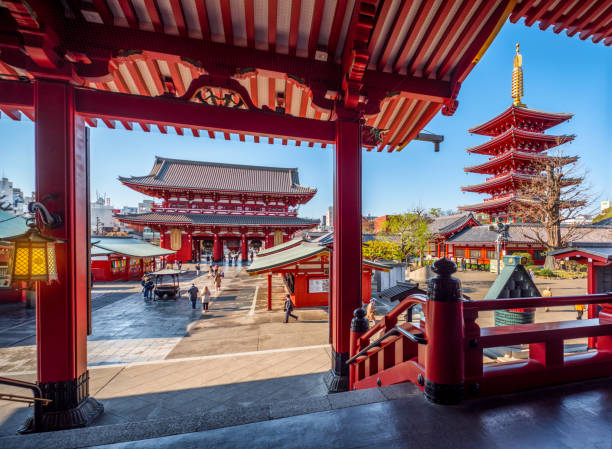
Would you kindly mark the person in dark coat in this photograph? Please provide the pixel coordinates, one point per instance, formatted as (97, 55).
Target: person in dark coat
(289, 308)
(193, 295)
(179, 264)
(149, 284)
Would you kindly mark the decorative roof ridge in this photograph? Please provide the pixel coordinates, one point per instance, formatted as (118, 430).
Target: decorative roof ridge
(223, 164)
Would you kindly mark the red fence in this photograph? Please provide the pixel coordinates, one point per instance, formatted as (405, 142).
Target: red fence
(443, 353)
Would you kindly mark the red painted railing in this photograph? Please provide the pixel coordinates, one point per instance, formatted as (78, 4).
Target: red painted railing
(450, 346)
(260, 213)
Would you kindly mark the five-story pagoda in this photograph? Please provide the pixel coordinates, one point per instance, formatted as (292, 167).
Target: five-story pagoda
(517, 151)
(220, 206)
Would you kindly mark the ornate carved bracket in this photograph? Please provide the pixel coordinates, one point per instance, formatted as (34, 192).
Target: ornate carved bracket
(219, 90)
(451, 105)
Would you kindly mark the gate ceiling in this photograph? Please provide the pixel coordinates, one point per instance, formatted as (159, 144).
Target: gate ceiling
(397, 62)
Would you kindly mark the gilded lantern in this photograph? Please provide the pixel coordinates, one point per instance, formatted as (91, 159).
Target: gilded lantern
(33, 257)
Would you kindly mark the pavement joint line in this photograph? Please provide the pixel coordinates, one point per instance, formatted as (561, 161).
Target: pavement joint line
(185, 359)
(109, 380)
(254, 303)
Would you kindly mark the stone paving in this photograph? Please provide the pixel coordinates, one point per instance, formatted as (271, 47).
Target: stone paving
(152, 359)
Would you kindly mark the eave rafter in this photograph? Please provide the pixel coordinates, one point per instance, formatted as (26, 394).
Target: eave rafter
(83, 51)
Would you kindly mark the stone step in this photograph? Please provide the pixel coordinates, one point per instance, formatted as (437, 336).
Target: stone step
(202, 421)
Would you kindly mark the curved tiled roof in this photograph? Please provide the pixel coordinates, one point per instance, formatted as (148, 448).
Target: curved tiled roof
(512, 134)
(509, 179)
(449, 223)
(515, 114)
(197, 175)
(517, 234)
(214, 219)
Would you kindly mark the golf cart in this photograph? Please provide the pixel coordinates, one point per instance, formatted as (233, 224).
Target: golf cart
(166, 290)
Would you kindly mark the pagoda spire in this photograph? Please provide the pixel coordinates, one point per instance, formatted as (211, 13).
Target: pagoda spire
(517, 78)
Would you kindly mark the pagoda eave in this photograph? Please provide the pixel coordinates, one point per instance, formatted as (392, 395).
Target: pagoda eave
(512, 135)
(516, 113)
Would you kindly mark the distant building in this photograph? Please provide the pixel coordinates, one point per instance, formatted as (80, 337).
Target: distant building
(129, 210)
(101, 215)
(145, 206)
(329, 217)
(12, 198)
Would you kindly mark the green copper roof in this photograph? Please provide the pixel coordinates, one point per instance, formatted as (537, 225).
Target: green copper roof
(127, 246)
(512, 282)
(282, 258)
(297, 253)
(11, 225)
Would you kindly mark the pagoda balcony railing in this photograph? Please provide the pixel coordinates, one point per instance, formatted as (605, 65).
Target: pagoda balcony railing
(511, 172)
(257, 213)
(499, 197)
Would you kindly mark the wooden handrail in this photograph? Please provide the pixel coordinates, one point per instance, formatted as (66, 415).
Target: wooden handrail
(417, 299)
(397, 330)
(519, 303)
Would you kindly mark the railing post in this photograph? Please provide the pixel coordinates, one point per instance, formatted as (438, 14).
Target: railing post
(444, 365)
(359, 325)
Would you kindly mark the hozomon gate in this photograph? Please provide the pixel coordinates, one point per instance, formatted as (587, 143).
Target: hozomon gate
(349, 73)
(221, 205)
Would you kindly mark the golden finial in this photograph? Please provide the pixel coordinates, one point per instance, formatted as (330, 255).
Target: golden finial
(517, 78)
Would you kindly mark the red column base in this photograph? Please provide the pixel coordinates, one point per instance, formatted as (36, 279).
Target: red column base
(337, 378)
(71, 407)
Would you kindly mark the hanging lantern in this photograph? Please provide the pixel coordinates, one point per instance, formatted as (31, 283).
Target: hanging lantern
(33, 257)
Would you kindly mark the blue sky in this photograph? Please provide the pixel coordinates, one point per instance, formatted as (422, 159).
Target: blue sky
(561, 75)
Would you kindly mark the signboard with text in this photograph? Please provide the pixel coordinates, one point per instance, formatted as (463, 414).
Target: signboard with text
(318, 285)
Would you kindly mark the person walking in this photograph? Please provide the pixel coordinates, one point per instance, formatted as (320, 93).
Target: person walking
(143, 282)
(218, 282)
(197, 268)
(289, 308)
(371, 311)
(547, 293)
(205, 299)
(579, 310)
(193, 295)
(179, 264)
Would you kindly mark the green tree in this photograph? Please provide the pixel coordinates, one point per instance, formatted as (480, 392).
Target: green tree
(379, 249)
(410, 230)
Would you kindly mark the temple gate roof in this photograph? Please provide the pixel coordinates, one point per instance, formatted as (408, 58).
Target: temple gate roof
(213, 176)
(215, 219)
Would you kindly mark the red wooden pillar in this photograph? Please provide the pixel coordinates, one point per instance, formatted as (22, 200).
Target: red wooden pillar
(244, 249)
(217, 248)
(128, 260)
(591, 289)
(269, 291)
(346, 265)
(61, 308)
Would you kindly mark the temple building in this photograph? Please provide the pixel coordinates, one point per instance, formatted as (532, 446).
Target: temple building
(220, 207)
(517, 151)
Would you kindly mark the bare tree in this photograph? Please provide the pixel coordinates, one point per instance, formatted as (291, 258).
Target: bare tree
(553, 193)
